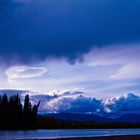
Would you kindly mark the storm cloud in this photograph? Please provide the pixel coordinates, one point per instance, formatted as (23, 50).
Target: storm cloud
(39, 29)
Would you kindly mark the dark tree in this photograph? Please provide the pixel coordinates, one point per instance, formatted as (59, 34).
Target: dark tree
(27, 104)
(14, 115)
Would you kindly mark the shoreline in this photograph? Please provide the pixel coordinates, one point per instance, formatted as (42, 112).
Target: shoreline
(123, 137)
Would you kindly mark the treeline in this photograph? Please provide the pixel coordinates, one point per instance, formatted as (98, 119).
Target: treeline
(52, 123)
(14, 115)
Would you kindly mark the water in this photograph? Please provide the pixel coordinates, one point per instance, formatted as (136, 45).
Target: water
(50, 134)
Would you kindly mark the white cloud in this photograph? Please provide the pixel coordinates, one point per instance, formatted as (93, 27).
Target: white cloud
(75, 91)
(119, 105)
(129, 71)
(125, 59)
(129, 103)
(53, 102)
(74, 104)
(23, 72)
(113, 55)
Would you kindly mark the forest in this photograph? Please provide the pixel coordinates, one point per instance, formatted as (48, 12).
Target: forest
(15, 115)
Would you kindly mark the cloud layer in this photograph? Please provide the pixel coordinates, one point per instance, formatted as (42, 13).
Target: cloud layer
(38, 29)
(24, 72)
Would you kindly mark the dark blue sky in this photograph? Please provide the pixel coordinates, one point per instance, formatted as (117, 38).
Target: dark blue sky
(70, 28)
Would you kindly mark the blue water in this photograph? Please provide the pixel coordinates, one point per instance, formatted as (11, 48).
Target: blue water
(50, 134)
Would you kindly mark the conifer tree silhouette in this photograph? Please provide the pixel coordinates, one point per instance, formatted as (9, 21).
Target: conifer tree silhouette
(14, 115)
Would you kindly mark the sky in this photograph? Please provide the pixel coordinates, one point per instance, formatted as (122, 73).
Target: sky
(87, 46)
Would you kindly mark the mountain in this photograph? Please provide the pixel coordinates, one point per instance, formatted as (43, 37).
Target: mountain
(129, 118)
(78, 117)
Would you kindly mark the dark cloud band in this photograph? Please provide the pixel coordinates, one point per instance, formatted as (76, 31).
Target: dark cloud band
(65, 28)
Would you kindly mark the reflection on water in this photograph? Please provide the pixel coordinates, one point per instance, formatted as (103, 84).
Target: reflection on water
(49, 134)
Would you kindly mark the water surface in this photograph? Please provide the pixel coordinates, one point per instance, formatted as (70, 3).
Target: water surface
(65, 133)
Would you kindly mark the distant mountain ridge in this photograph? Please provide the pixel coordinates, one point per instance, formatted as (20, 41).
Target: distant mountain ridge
(128, 118)
(79, 117)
